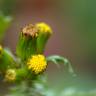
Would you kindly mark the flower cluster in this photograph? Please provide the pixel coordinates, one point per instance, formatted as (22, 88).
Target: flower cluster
(30, 60)
(26, 68)
(30, 48)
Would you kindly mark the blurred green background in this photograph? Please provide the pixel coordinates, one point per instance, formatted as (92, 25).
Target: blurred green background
(74, 26)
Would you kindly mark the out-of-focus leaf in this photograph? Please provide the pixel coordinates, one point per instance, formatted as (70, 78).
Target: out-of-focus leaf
(27, 89)
(59, 59)
(6, 60)
(5, 21)
(8, 6)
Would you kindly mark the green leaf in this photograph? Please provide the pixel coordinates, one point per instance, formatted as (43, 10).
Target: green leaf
(59, 59)
(7, 60)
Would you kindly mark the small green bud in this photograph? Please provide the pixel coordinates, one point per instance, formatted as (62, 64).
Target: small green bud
(16, 75)
(22, 74)
(10, 75)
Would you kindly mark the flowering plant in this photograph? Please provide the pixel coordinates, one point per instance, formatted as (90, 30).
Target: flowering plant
(26, 69)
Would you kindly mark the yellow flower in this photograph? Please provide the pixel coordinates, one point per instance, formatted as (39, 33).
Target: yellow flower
(10, 75)
(37, 63)
(43, 27)
(30, 30)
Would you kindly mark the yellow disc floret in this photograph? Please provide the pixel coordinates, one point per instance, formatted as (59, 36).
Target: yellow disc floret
(37, 63)
(10, 75)
(43, 27)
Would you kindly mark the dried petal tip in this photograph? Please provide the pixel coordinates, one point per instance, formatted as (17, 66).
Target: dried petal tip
(30, 30)
(37, 63)
(10, 75)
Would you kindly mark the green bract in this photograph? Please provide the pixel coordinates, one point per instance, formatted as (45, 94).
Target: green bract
(45, 32)
(26, 46)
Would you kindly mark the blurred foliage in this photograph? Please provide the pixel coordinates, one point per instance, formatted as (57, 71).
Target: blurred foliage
(7, 7)
(6, 60)
(5, 22)
(77, 92)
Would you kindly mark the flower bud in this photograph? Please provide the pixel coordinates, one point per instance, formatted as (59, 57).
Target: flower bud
(32, 40)
(16, 75)
(10, 75)
(45, 32)
(27, 41)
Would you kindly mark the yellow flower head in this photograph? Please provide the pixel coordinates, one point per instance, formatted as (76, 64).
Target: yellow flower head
(30, 30)
(43, 27)
(10, 75)
(37, 63)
